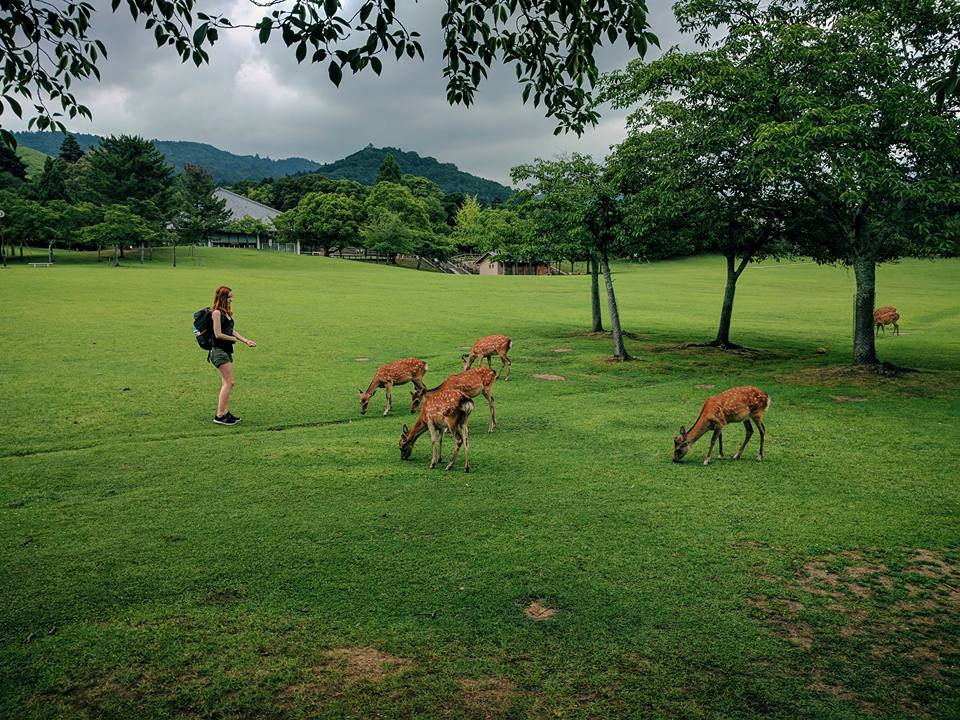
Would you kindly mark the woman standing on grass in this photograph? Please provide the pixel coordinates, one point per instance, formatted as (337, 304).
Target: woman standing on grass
(221, 355)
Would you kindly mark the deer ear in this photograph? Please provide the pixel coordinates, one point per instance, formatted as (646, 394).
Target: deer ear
(405, 431)
(359, 391)
(683, 432)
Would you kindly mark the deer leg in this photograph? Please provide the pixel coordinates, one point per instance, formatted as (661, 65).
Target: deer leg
(506, 364)
(748, 427)
(388, 388)
(896, 329)
(456, 448)
(720, 444)
(490, 361)
(434, 456)
(493, 420)
(763, 431)
(716, 434)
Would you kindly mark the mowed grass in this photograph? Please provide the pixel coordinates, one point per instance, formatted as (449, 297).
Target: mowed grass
(157, 565)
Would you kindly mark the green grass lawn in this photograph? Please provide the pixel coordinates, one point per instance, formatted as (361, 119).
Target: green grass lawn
(157, 565)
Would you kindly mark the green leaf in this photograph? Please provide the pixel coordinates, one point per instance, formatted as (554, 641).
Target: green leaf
(200, 34)
(336, 74)
(330, 7)
(301, 51)
(265, 26)
(376, 65)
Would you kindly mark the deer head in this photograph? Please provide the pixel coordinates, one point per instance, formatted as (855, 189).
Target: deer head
(416, 397)
(681, 445)
(406, 445)
(364, 401)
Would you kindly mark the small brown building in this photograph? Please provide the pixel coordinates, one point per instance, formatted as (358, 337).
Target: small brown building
(490, 264)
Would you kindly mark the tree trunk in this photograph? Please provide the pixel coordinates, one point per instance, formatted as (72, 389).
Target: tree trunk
(116, 256)
(21, 250)
(3, 256)
(141, 253)
(120, 245)
(619, 351)
(174, 254)
(326, 251)
(50, 253)
(99, 258)
(595, 294)
(864, 345)
(726, 312)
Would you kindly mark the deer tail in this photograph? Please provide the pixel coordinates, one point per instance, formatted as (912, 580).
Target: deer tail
(509, 343)
(466, 405)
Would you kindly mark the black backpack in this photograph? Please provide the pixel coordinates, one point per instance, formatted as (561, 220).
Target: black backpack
(203, 328)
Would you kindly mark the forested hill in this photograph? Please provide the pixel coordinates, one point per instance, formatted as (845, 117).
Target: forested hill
(364, 165)
(227, 168)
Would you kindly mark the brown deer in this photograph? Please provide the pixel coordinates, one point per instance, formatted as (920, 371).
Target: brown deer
(487, 347)
(442, 411)
(886, 315)
(471, 383)
(739, 404)
(395, 373)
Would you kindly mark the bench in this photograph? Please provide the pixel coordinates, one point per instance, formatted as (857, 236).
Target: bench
(41, 264)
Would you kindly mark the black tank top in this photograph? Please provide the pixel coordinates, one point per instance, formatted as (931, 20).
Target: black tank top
(226, 327)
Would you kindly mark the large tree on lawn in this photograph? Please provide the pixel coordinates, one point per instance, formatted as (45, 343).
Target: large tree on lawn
(690, 165)
(845, 118)
(199, 212)
(572, 201)
(330, 220)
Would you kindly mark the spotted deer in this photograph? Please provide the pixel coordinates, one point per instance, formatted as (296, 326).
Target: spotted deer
(739, 404)
(886, 315)
(398, 372)
(441, 411)
(471, 383)
(487, 347)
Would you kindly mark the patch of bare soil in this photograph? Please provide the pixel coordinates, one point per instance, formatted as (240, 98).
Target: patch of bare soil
(491, 696)
(562, 350)
(849, 398)
(898, 615)
(537, 611)
(547, 376)
(367, 663)
(362, 359)
(900, 381)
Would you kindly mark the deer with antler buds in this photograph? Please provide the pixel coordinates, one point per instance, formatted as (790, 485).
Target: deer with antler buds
(487, 347)
(739, 404)
(886, 315)
(471, 383)
(398, 372)
(442, 411)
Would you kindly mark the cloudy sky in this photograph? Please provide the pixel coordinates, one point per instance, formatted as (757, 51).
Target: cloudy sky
(256, 99)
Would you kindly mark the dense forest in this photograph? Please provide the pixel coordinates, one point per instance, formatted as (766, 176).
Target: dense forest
(226, 168)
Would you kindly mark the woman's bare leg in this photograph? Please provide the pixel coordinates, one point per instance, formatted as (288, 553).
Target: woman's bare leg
(226, 375)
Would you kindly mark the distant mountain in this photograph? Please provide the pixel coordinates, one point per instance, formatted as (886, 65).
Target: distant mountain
(364, 165)
(227, 168)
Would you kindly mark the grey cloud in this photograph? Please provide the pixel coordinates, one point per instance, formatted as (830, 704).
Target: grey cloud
(257, 99)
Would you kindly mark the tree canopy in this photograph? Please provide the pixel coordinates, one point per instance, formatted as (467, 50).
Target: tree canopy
(550, 43)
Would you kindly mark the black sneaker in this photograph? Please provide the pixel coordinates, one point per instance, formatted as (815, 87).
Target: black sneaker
(227, 419)
(233, 417)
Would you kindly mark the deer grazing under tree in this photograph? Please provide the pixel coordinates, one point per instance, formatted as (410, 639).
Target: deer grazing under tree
(442, 411)
(487, 347)
(398, 372)
(886, 315)
(739, 404)
(470, 382)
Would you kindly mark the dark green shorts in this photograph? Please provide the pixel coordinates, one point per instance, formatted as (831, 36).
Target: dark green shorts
(219, 357)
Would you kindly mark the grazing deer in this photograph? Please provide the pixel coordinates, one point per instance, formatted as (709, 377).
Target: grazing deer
(886, 315)
(471, 383)
(739, 404)
(395, 373)
(487, 347)
(442, 411)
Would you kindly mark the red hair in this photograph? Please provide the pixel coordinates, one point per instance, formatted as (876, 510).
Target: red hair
(221, 300)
